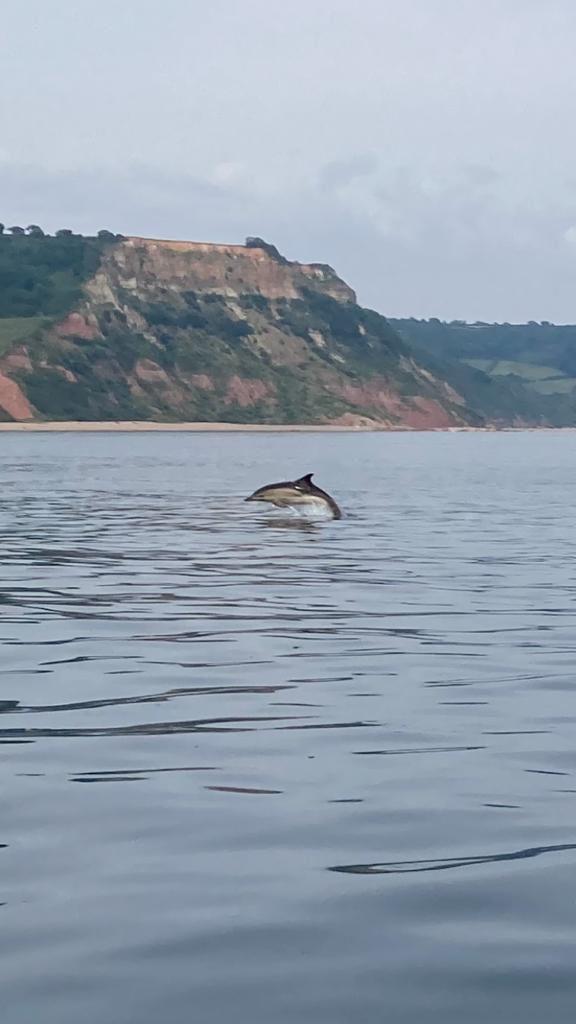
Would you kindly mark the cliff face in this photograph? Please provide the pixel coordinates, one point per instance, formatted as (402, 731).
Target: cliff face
(228, 270)
(168, 330)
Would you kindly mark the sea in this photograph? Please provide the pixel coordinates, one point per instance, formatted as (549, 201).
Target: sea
(266, 768)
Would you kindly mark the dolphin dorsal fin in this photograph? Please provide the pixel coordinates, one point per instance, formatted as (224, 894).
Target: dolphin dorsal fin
(306, 480)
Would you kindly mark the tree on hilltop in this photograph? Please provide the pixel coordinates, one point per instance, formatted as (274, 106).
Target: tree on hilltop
(254, 242)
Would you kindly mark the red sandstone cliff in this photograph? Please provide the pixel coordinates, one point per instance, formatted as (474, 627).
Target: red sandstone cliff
(189, 330)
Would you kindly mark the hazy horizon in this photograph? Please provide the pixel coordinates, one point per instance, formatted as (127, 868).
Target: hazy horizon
(426, 154)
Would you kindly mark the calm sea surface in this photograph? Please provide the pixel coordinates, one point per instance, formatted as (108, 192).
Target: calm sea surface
(266, 770)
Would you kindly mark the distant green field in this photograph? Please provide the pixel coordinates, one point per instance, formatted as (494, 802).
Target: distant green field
(547, 380)
(17, 328)
(506, 367)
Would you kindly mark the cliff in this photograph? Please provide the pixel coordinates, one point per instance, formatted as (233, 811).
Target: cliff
(135, 328)
(227, 270)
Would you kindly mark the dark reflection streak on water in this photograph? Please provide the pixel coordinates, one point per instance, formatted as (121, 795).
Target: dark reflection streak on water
(12, 707)
(150, 729)
(508, 807)
(113, 778)
(497, 680)
(323, 679)
(517, 732)
(55, 643)
(210, 664)
(330, 725)
(389, 651)
(68, 614)
(463, 703)
(148, 771)
(418, 750)
(243, 789)
(80, 659)
(447, 685)
(292, 704)
(445, 864)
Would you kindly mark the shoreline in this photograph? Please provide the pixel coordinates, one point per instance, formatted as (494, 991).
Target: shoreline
(145, 426)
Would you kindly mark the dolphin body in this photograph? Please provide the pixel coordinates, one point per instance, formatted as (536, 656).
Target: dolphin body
(297, 493)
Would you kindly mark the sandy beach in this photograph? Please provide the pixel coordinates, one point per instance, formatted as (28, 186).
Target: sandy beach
(137, 426)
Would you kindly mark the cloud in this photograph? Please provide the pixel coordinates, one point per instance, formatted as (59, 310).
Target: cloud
(425, 150)
(339, 173)
(470, 245)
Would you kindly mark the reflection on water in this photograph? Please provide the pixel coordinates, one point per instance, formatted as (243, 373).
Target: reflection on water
(411, 866)
(318, 720)
(284, 522)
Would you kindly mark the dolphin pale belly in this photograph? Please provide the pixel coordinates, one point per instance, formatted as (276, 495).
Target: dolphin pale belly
(301, 493)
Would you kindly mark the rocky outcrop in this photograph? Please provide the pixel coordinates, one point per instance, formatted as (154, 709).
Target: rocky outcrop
(13, 402)
(228, 270)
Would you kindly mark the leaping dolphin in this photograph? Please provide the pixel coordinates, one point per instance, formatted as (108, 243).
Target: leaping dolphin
(301, 492)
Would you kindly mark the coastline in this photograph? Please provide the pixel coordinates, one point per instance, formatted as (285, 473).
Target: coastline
(143, 426)
(146, 426)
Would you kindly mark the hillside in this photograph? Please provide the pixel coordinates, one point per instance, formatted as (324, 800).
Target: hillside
(532, 367)
(114, 328)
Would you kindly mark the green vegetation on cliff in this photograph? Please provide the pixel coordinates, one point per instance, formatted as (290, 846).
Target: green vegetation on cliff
(189, 348)
(19, 328)
(42, 275)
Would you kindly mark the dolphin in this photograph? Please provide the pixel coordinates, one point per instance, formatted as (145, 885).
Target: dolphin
(301, 492)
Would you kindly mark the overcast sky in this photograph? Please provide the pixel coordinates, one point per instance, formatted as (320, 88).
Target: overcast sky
(425, 148)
